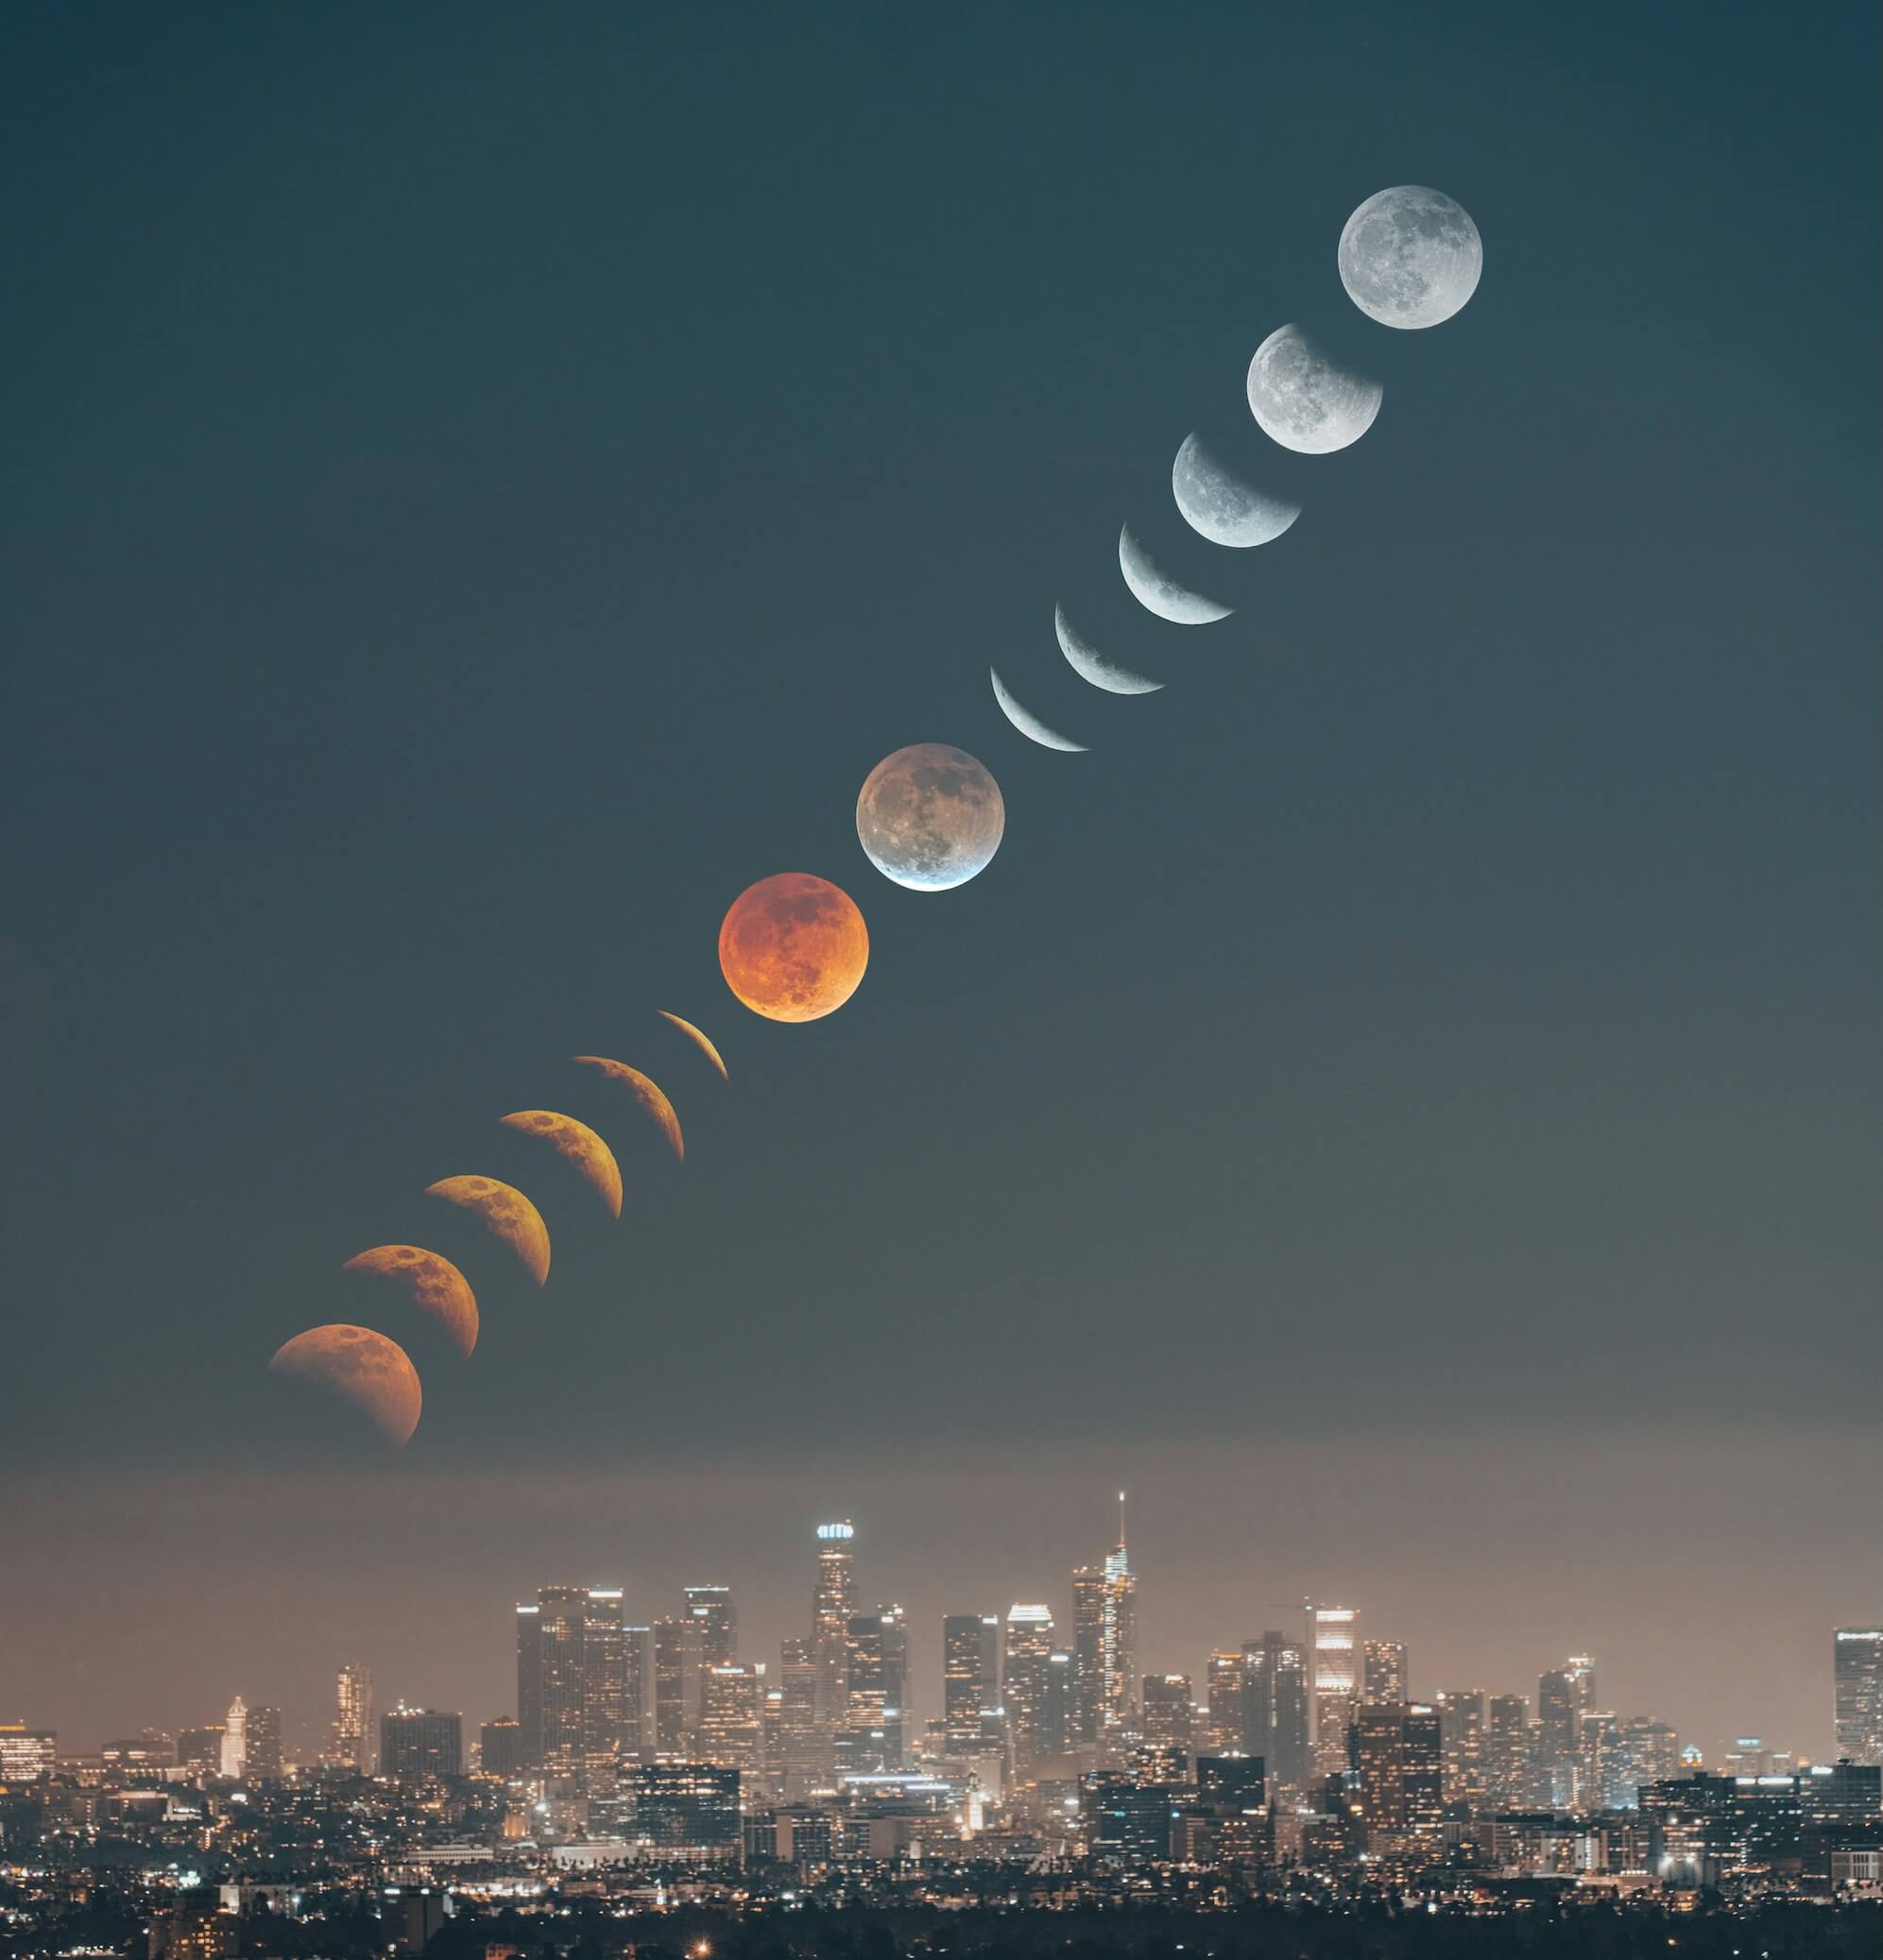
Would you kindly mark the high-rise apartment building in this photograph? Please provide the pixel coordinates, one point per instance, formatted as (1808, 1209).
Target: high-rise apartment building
(1383, 1672)
(350, 1738)
(1169, 1713)
(1275, 1708)
(1104, 1644)
(1856, 1663)
(1030, 1648)
(970, 1678)
(420, 1741)
(1335, 1658)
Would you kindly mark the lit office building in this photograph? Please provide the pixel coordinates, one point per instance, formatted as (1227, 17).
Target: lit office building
(235, 1738)
(805, 1758)
(1396, 1757)
(200, 1750)
(1464, 1716)
(688, 1810)
(416, 1741)
(1564, 1695)
(350, 1737)
(676, 1685)
(604, 1696)
(563, 1612)
(733, 1716)
(1222, 1697)
(1856, 1659)
(1169, 1713)
(1335, 1658)
(529, 1684)
(264, 1760)
(1104, 1644)
(500, 1747)
(27, 1755)
(1507, 1752)
(711, 1610)
(970, 1678)
(1383, 1672)
(1030, 1648)
(1275, 1708)
(1652, 1750)
(870, 1742)
(833, 1608)
(579, 1688)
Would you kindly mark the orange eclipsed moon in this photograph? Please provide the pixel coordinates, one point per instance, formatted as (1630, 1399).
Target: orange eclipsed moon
(794, 947)
(375, 1374)
(650, 1096)
(576, 1143)
(438, 1289)
(699, 1041)
(506, 1212)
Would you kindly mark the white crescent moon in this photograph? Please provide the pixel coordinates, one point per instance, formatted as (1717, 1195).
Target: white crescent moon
(1155, 588)
(1100, 668)
(1221, 506)
(1030, 724)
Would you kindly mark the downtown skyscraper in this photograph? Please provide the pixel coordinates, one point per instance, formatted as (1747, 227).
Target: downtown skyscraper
(1104, 1645)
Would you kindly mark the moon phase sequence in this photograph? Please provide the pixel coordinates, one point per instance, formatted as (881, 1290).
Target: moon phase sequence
(1303, 398)
(651, 1097)
(437, 1289)
(577, 1146)
(931, 817)
(506, 1213)
(1155, 588)
(793, 947)
(698, 1040)
(1220, 505)
(1029, 723)
(1411, 257)
(363, 1369)
(1101, 670)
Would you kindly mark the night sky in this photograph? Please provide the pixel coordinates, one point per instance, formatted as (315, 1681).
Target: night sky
(482, 486)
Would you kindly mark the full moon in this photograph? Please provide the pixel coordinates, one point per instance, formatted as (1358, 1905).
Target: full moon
(1411, 257)
(1303, 398)
(359, 1367)
(930, 817)
(794, 947)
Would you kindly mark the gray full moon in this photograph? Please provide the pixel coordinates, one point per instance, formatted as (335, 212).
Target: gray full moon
(930, 816)
(1305, 399)
(1411, 257)
(1157, 591)
(1221, 506)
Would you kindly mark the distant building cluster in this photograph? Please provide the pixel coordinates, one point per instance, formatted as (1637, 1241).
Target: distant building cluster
(1302, 1766)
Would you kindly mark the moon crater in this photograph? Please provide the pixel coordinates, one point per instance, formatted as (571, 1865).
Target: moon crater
(1306, 400)
(1220, 505)
(794, 947)
(1410, 256)
(931, 817)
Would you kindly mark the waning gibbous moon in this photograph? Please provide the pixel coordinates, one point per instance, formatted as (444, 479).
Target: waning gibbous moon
(506, 1213)
(1303, 398)
(1221, 506)
(1410, 256)
(439, 1290)
(577, 1146)
(1154, 587)
(698, 1040)
(1091, 665)
(360, 1366)
(1030, 724)
(648, 1094)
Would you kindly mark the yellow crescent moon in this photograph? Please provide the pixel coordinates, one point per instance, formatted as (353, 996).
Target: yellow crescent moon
(699, 1041)
(648, 1094)
(375, 1374)
(576, 1143)
(438, 1290)
(506, 1212)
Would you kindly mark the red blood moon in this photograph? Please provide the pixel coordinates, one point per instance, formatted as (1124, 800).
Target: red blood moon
(361, 1367)
(794, 947)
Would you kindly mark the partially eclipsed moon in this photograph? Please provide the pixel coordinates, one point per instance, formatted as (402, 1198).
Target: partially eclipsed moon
(1221, 506)
(1029, 723)
(506, 1213)
(1303, 398)
(576, 1145)
(358, 1366)
(649, 1095)
(437, 1289)
(931, 817)
(1152, 587)
(1091, 665)
(1411, 257)
(794, 947)
(698, 1040)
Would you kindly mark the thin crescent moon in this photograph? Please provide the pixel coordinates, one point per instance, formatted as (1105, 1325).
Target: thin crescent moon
(650, 1096)
(576, 1145)
(1091, 665)
(700, 1041)
(1030, 724)
(507, 1213)
(375, 1374)
(1219, 502)
(1157, 591)
(439, 1290)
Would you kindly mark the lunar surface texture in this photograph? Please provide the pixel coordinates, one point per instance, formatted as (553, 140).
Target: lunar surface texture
(1220, 505)
(1411, 257)
(1305, 399)
(794, 947)
(361, 1367)
(930, 817)
(435, 1287)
